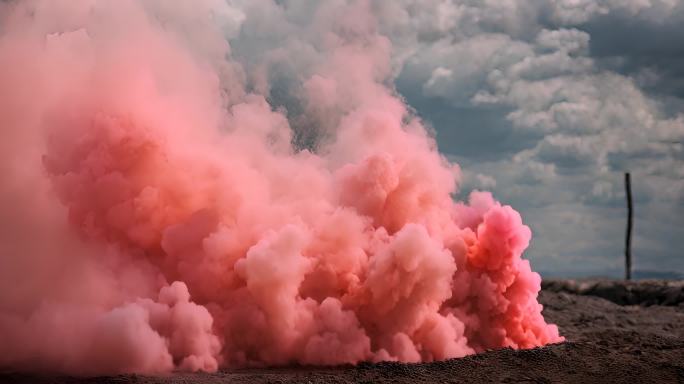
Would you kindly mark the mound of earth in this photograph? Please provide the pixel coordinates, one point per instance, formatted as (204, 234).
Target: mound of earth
(639, 341)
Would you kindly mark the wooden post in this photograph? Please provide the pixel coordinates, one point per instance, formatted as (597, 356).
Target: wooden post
(628, 241)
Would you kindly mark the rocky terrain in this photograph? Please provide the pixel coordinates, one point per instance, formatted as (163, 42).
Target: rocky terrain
(616, 332)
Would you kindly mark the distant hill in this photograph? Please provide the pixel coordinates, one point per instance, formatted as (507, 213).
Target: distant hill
(614, 274)
(660, 275)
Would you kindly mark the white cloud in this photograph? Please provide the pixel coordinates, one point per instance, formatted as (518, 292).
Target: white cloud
(572, 12)
(591, 124)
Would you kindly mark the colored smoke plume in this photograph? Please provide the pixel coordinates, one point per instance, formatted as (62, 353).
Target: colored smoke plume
(158, 211)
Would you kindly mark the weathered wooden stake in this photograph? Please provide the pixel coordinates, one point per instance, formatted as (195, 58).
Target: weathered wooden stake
(628, 241)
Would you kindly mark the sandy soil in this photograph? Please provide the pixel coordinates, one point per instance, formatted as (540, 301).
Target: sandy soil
(641, 340)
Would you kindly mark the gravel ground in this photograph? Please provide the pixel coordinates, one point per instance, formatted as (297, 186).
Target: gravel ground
(606, 342)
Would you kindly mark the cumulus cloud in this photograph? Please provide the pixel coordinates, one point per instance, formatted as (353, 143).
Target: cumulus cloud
(587, 90)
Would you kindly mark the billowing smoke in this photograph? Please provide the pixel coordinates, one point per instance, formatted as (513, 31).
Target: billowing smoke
(160, 209)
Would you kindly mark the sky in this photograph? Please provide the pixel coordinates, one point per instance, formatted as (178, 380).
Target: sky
(546, 103)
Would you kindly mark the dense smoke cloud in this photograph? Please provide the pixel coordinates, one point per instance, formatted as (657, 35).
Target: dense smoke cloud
(162, 207)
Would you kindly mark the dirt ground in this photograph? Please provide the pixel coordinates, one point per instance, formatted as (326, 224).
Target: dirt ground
(616, 333)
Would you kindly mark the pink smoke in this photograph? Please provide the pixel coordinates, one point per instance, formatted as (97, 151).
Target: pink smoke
(155, 216)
